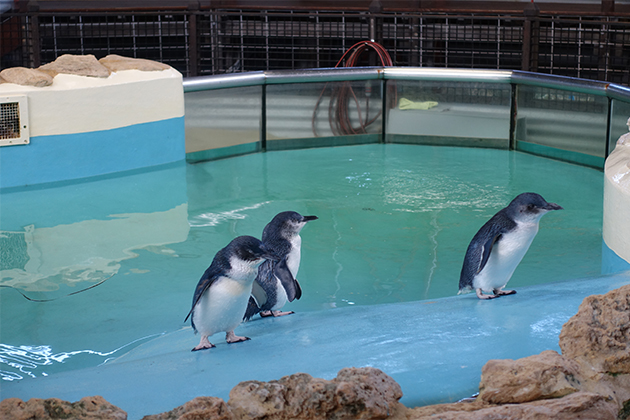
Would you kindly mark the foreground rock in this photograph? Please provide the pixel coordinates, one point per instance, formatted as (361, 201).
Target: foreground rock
(356, 393)
(580, 405)
(88, 408)
(545, 375)
(594, 363)
(599, 334)
(210, 408)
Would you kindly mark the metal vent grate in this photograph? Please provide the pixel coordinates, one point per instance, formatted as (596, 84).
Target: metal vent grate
(13, 121)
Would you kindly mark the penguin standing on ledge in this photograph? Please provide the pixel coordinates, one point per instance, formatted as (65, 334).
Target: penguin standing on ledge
(222, 293)
(500, 245)
(276, 282)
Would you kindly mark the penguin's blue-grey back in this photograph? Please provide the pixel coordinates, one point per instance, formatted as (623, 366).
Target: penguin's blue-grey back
(524, 208)
(276, 237)
(478, 251)
(243, 247)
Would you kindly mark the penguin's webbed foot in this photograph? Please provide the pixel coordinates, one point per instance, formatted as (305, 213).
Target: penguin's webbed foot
(504, 292)
(230, 337)
(265, 314)
(203, 344)
(480, 295)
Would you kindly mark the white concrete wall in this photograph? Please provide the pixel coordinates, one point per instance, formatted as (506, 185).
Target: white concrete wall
(88, 126)
(616, 229)
(78, 104)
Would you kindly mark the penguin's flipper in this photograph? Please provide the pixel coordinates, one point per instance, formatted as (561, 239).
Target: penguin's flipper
(487, 249)
(252, 309)
(259, 294)
(204, 283)
(290, 284)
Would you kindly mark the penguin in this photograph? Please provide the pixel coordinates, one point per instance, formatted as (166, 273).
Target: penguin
(276, 282)
(500, 245)
(223, 291)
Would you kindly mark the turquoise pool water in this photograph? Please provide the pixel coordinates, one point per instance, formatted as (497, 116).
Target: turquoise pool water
(394, 224)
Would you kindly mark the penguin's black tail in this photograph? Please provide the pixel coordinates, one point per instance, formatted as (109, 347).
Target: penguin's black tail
(252, 309)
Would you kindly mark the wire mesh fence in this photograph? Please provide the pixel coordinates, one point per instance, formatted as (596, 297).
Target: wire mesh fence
(205, 42)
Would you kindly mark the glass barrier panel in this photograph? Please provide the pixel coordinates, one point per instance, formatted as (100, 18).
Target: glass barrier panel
(223, 122)
(562, 124)
(620, 115)
(323, 114)
(449, 113)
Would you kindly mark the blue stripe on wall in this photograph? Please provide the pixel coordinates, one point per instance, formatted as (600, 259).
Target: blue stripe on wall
(611, 262)
(81, 155)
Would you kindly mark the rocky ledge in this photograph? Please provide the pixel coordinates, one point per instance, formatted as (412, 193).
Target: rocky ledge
(79, 65)
(589, 380)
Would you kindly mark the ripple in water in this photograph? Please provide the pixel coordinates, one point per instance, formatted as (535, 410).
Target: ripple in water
(17, 362)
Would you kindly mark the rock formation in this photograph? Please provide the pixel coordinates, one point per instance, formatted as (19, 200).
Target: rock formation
(197, 409)
(356, 393)
(590, 380)
(80, 65)
(88, 408)
(598, 336)
(542, 376)
(118, 63)
(26, 77)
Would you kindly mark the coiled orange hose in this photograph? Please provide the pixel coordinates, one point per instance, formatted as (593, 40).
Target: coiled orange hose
(341, 96)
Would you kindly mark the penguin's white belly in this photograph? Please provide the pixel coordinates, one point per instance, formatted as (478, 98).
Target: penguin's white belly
(222, 306)
(281, 297)
(293, 258)
(505, 257)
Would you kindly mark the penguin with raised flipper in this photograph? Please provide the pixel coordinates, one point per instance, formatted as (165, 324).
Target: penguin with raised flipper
(500, 245)
(276, 282)
(223, 291)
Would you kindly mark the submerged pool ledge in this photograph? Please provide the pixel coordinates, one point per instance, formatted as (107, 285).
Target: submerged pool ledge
(434, 349)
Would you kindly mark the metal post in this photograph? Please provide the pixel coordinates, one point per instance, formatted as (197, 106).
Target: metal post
(608, 6)
(513, 117)
(603, 51)
(531, 26)
(375, 7)
(263, 120)
(384, 111)
(193, 58)
(33, 11)
(609, 122)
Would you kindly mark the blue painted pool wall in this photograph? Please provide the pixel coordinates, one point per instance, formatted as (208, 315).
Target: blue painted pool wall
(611, 262)
(81, 155)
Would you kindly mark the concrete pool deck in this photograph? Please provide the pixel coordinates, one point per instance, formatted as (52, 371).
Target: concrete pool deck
(434, 349)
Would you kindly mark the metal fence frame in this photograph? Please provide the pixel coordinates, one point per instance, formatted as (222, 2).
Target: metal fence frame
(209, 42)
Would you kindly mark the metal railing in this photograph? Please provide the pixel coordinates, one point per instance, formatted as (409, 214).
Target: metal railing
(566, 118)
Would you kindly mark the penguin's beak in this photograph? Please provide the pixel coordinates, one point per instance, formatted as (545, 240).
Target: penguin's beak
(309, 218)
(553, 206)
